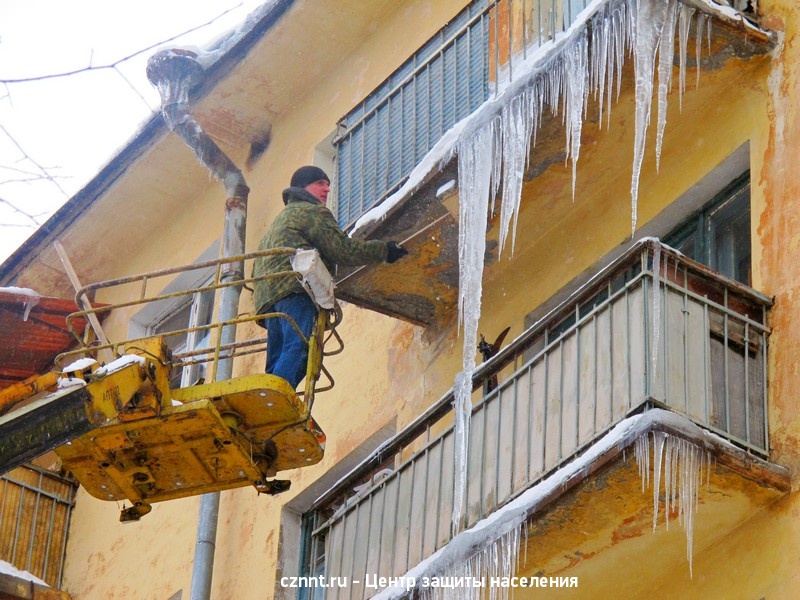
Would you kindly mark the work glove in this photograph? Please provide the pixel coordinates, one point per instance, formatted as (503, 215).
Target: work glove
(395, 252)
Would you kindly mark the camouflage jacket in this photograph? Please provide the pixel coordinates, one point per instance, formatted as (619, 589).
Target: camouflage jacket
(306, 223)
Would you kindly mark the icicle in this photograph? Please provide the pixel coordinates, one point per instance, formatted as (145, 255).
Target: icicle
(666, 52)
(499, 559)
(642, 452)
(659, 437)
(476, 167)
(31, 298)
(517, 122)
(649, 23)
(686, 13)
(683, 464)
(576, 91)
(702, 20)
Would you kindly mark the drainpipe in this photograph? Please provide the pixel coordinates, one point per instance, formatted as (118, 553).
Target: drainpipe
(175, 73)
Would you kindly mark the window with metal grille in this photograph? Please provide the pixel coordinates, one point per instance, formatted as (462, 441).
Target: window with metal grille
(384, 137)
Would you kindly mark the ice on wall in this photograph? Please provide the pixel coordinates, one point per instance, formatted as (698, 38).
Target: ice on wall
(495, 145)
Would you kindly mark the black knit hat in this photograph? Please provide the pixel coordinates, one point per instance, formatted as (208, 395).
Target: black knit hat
(308, 174)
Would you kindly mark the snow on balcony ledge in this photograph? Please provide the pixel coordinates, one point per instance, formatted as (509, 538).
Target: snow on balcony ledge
(493, 538)
(524, 72)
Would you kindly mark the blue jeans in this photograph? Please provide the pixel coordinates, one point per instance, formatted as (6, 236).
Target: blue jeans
(287, 353)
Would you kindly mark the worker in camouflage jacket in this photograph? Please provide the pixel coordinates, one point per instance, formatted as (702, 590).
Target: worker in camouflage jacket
(305, 222)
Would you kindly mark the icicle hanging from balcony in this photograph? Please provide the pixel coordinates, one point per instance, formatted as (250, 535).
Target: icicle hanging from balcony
(680, 465)
(495, 144)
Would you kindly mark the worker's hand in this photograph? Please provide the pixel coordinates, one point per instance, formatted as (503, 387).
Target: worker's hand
(396, 252)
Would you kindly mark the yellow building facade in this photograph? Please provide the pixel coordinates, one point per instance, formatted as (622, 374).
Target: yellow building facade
(651, 320)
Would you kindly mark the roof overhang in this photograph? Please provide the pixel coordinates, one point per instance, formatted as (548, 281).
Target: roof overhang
(36, 331)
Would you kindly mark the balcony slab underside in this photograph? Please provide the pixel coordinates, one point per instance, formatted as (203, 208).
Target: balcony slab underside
(602, 521)
(423, 288)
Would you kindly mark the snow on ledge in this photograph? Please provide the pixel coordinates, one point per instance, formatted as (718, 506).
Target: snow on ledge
(10, 570)
(512, 515)
(524, 71)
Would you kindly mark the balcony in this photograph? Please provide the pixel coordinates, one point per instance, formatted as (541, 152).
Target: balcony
(398, 148)
(653, 330)
(35, 509)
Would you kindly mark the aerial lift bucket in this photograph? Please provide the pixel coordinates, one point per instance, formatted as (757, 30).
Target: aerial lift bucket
(126, 435)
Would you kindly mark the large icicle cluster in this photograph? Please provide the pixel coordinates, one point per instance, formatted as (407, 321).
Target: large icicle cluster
(682, 464)
(497, 560)
(495, 146)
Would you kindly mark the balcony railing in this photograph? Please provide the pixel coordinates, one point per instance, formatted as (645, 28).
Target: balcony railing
(35, 509)
(383, 138)
(652, 329)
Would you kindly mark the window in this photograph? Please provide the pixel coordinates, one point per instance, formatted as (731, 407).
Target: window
(719, 234)
(183, 311)
(196, 310)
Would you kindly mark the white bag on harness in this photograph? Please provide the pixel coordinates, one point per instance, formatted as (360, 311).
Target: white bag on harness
(315, 277)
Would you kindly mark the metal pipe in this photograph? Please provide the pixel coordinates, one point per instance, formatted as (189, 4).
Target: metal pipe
(175, 73)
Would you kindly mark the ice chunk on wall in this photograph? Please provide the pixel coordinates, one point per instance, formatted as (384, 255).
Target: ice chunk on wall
(586, 60)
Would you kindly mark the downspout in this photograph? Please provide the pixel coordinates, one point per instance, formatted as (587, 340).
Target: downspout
(175, 73)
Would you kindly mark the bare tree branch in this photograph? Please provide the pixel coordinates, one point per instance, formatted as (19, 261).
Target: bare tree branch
(43, 170)
(114, 64)
(33, 218)
(44, 173)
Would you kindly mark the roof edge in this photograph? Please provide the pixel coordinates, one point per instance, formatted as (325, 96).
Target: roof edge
(152, 131)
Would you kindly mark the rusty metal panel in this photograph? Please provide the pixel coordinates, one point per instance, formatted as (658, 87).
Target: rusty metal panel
(42, 426)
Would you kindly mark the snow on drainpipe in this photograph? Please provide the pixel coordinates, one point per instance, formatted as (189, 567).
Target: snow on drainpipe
(175, 73)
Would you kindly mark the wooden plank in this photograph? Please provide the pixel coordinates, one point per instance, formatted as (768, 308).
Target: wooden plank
(475, 474)
(697, 350)
(569, 401)
(675, 340)
(552, 444)
(490, 467)
(537, 441)
(521, 390)
(447, 486)
(104, 354)
(508, 446)
(587, 380)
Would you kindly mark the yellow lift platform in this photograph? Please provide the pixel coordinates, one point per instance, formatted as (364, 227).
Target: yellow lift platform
(126, 435)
